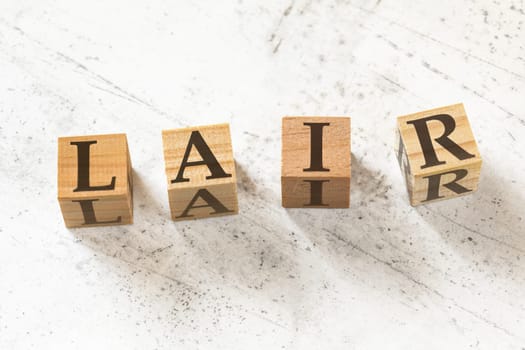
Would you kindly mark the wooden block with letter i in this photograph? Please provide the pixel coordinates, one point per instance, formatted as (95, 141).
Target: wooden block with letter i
(438, 154)
(201, 172)
(316, 160)
(95, 180)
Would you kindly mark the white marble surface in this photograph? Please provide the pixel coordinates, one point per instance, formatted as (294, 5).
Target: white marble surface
(381, 275)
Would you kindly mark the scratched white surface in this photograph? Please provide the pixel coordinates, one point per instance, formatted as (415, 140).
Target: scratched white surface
(380, 275)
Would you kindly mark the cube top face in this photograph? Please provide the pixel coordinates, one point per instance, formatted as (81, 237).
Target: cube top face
(330, 134)
(438, 139)
(212, 142)
(87, 166)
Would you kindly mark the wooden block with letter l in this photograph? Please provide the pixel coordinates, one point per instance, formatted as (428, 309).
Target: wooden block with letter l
(316, 162)
(200, 169)
(437, 154)
(95, 180)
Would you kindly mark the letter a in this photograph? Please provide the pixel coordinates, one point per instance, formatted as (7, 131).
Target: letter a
(208, 159)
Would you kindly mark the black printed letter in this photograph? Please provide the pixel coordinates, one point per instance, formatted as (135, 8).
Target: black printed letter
(434, 182)
(83, 169)
(316, 146)
(89, 213)
(316, 193)
(211, 201)
(426, 142)
(207, 159)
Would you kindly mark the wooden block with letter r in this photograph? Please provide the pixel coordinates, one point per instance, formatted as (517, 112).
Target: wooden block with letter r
(316, 162)
(95, 180)
(200, 169)
(437, 154)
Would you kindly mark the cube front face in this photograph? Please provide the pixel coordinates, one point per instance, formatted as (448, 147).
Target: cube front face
(316, 162)
(200, 170)
(100, 211)
(212, 201)
(308, 192)
(95, 180)
(438, 154)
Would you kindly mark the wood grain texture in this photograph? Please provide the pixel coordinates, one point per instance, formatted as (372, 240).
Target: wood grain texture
(429, 172)
(184, 198)
(107, 157)
(331, 151)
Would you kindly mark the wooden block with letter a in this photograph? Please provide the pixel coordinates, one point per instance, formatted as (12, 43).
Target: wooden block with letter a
(438, 154)
(316, 160)
(201, 172)
(95, 180)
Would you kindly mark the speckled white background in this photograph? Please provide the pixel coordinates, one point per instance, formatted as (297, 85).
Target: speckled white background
(381, 275)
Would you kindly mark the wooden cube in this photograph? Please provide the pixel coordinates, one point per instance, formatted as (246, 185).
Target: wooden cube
(437, 154)
(95, 180)
(316, 161)
(201, 172)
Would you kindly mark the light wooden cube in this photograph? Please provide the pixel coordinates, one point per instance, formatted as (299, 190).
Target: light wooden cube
(201, 172)
(316, 162)
(437, 154)
(95, 185)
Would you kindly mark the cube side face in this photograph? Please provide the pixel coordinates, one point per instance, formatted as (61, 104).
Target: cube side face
(303, 192)
(205, 155)
(316, 161)
(438, 154)
(95, 199)
(196, 203)
(404, 165)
